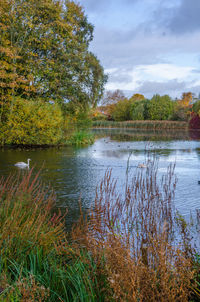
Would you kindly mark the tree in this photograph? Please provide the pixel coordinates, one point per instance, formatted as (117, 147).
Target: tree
(44, 47)
(113, 97)
(186, 99)
(122, 110)
(139, 109)
(95, 80)
(137, 97)
(160, 107)
(11, 80)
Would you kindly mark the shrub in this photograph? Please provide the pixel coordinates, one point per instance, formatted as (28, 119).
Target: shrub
(33, 123)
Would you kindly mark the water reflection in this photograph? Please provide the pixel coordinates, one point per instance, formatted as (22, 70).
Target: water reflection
(74, 173)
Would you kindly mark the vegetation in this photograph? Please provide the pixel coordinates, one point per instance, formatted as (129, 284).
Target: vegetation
(116, 108)
(44, 59)
(142, 124)
(125, 251)
(33, 123)
(37, 263)
(160, 108)
(81, 138)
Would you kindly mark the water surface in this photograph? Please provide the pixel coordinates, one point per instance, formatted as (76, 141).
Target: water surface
(74, 173)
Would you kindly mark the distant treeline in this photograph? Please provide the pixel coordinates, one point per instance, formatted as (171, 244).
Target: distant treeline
(117, 107)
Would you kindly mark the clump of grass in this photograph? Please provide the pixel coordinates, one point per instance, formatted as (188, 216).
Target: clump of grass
(36, 261)
(134, 233)
(81, 137)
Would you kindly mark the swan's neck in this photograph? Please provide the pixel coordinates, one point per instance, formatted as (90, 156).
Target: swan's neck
(28, 162)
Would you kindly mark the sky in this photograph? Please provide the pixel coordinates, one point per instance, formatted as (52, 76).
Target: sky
(147, 46)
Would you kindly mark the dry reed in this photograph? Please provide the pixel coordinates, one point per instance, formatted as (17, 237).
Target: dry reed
(134, 234)
(146, 124)
(26, 217)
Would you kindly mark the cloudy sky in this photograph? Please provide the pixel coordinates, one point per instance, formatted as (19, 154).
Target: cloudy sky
(147, 46)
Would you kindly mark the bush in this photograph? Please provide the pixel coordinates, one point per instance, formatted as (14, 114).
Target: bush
(33, 123)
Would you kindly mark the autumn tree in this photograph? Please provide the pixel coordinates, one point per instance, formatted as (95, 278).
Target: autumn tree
(44, 52)
(186, 99)
(137, 97)
(12, 77)
(183, 107)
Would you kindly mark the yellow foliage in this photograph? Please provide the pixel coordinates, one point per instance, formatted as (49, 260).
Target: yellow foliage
(186, 99)
(33, 123)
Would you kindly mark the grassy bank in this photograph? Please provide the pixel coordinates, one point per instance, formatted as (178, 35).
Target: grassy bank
(141, 124)
(125, 251)
(80, 138)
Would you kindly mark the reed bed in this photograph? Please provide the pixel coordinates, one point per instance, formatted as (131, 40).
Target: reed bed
(141, 124)
(36, 261)
(146, 256)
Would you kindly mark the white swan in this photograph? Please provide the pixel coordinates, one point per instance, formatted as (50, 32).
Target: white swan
(21, 164)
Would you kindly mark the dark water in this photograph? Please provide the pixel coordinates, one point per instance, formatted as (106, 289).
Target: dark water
(74, 173)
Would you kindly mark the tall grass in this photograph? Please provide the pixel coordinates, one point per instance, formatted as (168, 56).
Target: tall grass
(135, 233)
(81, 137)
(132, 247)
(141, 124)
(36, 261)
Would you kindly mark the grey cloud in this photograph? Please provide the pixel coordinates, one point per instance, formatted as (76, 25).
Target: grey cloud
(123, 49)
(180, 19)
(186, 17)
(172, 87)
(120, 77)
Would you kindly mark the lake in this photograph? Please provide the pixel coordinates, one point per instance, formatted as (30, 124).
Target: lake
(75, 172)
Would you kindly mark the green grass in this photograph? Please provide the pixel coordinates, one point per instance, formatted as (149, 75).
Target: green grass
(36, 261)
(50, 276)
(81, 137)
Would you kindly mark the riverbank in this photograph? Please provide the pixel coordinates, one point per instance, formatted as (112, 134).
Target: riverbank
(119, 257)
(73, 138)
(151, 125)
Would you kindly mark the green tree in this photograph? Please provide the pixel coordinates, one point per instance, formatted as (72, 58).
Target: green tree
(139, 110)
(122, 110)
(160, 107)
(49, 57)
